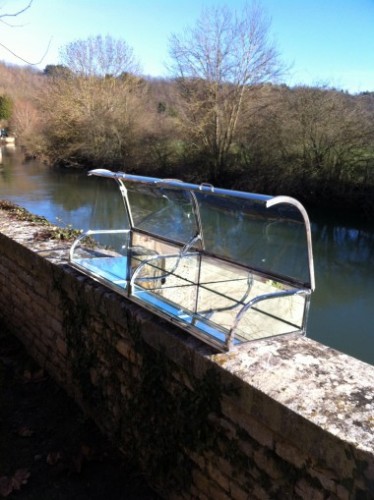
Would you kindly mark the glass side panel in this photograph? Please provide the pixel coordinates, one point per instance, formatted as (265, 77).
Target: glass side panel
(103, 255)
(272, 240)
(163, 212)
(225, 289)
(106, 243)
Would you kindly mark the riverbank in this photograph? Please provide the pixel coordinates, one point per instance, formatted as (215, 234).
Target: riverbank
(48, 449)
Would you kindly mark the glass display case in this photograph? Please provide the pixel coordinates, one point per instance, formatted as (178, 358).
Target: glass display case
(227, 266)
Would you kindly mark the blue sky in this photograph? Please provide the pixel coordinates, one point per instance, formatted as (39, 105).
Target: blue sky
(325, 41)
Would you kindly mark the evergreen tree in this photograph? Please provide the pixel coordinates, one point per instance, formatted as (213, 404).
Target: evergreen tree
(6, 107)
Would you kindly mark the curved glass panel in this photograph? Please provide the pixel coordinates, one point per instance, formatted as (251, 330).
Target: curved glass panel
(245, 231)
(163, 212)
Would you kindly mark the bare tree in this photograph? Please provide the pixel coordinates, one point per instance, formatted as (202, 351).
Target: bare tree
(98, 56)
(94, 107)
(216, 63)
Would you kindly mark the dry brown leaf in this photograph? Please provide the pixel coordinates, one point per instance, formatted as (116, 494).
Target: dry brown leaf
(14, 483)
(53, 457)
(6, 487)
(21, 476)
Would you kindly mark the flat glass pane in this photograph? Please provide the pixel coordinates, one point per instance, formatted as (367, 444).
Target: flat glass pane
(226, 289)
(103, 255)
(160, 268)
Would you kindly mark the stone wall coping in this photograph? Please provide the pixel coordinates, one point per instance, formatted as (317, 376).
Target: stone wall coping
(330, 389)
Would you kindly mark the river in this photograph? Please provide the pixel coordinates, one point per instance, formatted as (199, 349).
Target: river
(342, 307)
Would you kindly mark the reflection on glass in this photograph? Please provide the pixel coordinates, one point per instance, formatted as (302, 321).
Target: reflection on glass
(269, 239)
(166, 212)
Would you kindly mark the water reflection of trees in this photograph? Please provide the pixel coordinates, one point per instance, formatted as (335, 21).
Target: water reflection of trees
(100, 197)
(88, 201)
(344, 262)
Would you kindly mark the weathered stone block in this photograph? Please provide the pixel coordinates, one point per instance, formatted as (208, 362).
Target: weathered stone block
(218, 476)
(290, 453)
(208, 487)
(305, 490)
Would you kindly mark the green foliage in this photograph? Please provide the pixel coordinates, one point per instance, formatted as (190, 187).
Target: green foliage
(161, 107)
(82, 355)
(50, 232)
(6, 107)
(19, 213)
(57, 71)
(165, 418)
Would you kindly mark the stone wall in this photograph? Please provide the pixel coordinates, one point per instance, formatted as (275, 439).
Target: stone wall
(284, 418)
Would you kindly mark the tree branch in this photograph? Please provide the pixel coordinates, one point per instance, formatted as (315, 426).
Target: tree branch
(25, 60)
(15, 14)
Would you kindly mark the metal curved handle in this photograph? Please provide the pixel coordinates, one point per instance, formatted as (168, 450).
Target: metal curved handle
(292, 201)
(260, 298)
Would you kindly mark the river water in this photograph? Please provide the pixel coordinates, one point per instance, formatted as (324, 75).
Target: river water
(342, 307)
